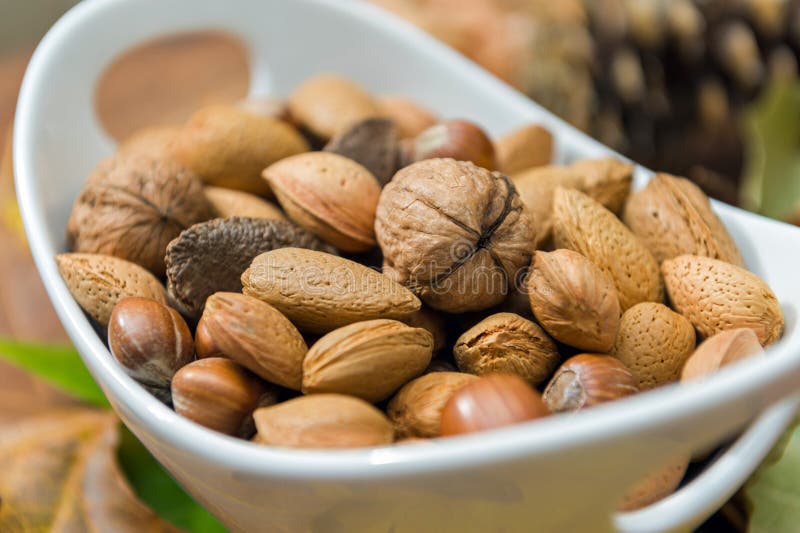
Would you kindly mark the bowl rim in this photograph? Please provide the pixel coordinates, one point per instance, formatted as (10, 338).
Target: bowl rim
(639, 414)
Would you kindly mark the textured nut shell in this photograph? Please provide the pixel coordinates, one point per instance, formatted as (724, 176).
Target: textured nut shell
(509, 344)
(157, 142)
(583, 225)
(210, 257)
(573, 300)
(656, 486)
(586, 380)
(330, 196)
(458, 139)
(410, 118)
(229, 146)
(721, 350)
(526, 147)
(216, 393)
(416, 409)
(323, 421)
(607, 180)
(98, 282)
(328, 104)
(536, 188)
(372, 143)
(491, 402)
(454, 233)
(257, 336)
(369, 360)
(232, 203)
(150, 340)
(673, 217)
(132, 206)
(320, 292)
(715, 296)
(654, 343)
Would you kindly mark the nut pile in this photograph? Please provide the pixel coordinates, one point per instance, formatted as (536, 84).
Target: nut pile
(343, 270)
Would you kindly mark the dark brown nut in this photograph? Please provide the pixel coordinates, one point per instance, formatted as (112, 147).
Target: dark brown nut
(98, 282)
(491, 402)
(150, 340)
(454, 233)
(457, 139)
(323, 421)
(218, 394)
(673, 217)
(372, 143)
(586, 380)
(132, 206)
(573, 300)
(229, 147)
(526, 147)
(506, 343)
(654, 342)
(416, 409)
(329, 104)
(410, 118)
(257, 336)
(210, 257)
(232, 203)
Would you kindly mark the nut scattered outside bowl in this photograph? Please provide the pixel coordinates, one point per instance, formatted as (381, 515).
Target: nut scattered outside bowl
(654, 342)
(132, 206)
(416, 409)
(150, 340)
(229, 147)
(217, 393)
(716, 296)
(573, 300)
(98, 282)
(329, 195)
(491, 402)
(210, 257)
(410, 118)
(232, 203)
(586, 380)
(526, 147)
(329, 104)
(456, 139)
(369, 360)
(257, 336)
(323, 421)
(454, 233)
(506, 343)
(320, 292)
(583, 225)
(722, 349)
(673, 216)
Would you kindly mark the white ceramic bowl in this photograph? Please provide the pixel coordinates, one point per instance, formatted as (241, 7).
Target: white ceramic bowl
(565, 473)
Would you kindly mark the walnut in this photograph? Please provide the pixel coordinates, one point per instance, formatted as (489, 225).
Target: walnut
(454, 233)
(210, 256)
(132, 206)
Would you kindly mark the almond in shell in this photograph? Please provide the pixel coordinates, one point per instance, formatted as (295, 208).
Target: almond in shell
(320, 292)
(369, 360)
(716, 296)
(585, 226)
(721, 350)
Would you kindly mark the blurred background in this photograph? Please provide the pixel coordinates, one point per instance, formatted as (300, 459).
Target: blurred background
(706, 89)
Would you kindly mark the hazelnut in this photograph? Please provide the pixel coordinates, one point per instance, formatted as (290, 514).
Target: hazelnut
(491, 402)
(150, 340)
(720, 350)
(219, 394)
(410, 118)
(457, 139)
(586, 380)
(204, 344)
(454, 233)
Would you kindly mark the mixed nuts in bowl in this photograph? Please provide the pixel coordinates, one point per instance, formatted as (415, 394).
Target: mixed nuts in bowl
(343, 270)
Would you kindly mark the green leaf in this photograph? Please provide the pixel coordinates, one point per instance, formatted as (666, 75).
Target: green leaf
(771, 182)
(61, 366)
(156, 488)
(773, 493)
